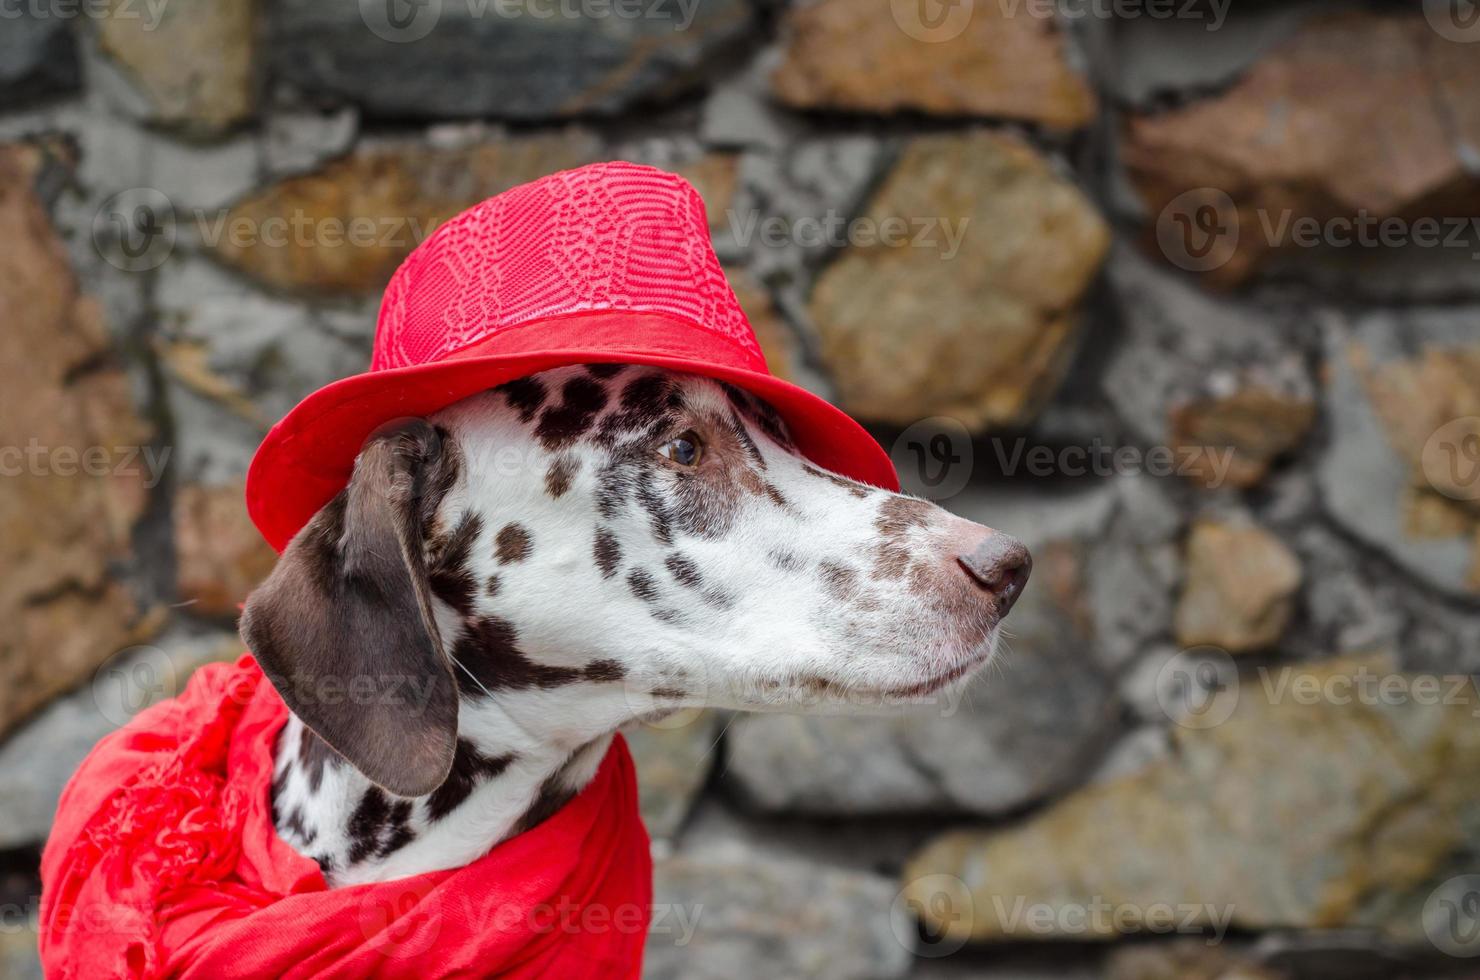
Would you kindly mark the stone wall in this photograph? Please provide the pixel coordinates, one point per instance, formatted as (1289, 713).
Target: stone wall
(1186, 297)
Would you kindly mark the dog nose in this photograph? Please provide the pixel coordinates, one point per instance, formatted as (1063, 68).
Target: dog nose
(1000, 565)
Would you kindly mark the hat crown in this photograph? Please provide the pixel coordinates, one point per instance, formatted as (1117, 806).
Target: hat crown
(610, 237)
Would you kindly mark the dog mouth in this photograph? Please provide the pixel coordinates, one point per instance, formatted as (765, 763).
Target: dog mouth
(975, 659)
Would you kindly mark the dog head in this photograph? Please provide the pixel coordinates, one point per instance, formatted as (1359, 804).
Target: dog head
(588, 545)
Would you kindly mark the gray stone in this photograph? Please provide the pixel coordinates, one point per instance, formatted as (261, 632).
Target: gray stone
(499, 60)
(1293, 813)
(1162, 56)
(299, 141)
(38, 55)
(37, 761)
(785, 197)
(673, 757)
(735, 909)
(236, 360)
(1018, 732)
(1224, 381)
(739, 110)
(1382, 406)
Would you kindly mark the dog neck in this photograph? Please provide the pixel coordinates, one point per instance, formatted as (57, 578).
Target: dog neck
(357, 832)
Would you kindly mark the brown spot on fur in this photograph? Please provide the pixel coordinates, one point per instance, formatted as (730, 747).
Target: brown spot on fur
(582, 399)
(469, 768)
(840, 581)
(512, 544)
(642, 585)
(890, 561)
(553, 794)
(314, 755)
(786, 561)
(489, 650)
(605, 671)
(524, 395)
(558, 477)
(898, 515)
(449, 573)
(378, 827)
(608, 552)
(683, 570)
(856, 489)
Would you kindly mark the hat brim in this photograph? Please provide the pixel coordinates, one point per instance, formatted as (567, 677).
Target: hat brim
(309, 455)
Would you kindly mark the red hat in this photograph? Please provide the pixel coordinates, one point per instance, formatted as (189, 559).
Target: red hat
(606, 263)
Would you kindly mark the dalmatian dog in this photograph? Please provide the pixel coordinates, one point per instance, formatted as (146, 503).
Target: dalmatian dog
(502, 585)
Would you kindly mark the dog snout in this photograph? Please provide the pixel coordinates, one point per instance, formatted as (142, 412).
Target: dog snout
(999, 565)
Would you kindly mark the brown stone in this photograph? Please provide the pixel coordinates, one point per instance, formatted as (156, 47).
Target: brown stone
(915, 324)
(715, 176)
(1244, 432)
(877, 56)
(193, 59)
(345, 228)
(1309, 132)
(220, 555)
(777, 341)
(1326, 812)
(74, 478)
(1241, 583)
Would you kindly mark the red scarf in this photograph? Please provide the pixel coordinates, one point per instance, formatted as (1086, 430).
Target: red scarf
(164, 862)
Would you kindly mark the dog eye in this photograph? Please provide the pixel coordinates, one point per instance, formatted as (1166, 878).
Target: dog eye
(686, 450)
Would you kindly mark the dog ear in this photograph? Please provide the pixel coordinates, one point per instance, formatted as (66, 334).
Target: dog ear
(343, 627)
